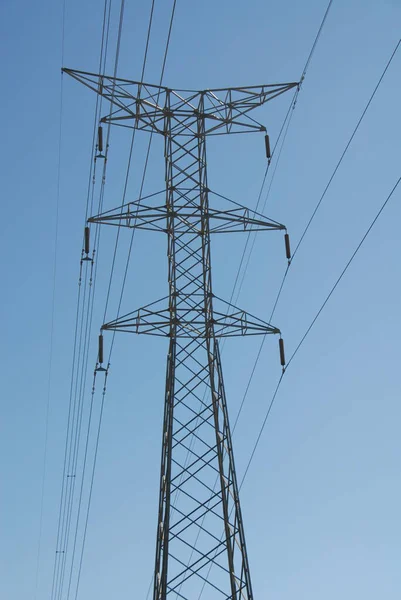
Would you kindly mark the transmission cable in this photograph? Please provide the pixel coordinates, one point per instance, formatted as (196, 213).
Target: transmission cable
(315, 318)
(140, 194)
(314, 213)
(93, 386)
(87, 328)
(303, 339)
(74, 408)
(128, 167)
(52, 312)
(143, 175)
(338, 165)
(103, 397)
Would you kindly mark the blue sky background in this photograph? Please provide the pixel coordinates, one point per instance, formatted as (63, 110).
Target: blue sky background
(321, 499)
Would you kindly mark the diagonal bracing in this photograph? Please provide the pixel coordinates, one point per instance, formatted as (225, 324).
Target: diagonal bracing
(200, 542)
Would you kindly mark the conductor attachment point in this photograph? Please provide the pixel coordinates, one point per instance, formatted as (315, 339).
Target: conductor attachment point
(267, 144)
(100, 143)
(282, 354)
(100, 366)
(287, 247)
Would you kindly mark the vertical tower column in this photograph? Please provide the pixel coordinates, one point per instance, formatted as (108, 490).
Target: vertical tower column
(200, 545)
(200, 539)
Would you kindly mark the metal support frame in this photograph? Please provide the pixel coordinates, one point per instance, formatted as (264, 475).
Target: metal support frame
(200, 542)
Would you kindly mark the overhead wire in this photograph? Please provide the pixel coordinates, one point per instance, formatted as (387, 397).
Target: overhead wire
(144, 173)
(124, 194)
(319, 33)
(104, 388)
(106, 374)
(79, 362)
(52, 312)
(77, 437)
(82, 376)
(273, 398)
(86, 329)
(339, 163)
(91, 478)
(86, 320)
(315, 318)
(64, 480)
(312, 217)
(140, 194)
(128, 166)
(88, 325)
(89, 316)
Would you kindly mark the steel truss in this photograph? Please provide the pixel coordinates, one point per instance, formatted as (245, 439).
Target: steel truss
(200, 542)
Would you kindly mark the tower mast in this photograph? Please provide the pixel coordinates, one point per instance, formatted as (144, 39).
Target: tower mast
(200, 542)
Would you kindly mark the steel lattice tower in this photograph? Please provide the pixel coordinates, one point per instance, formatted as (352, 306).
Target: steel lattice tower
(200, 534)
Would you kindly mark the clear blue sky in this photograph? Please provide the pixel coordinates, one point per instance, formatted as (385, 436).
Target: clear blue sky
(321, 500)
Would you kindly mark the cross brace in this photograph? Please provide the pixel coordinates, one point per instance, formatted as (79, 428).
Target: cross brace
(141, 215)
(155, 319)
(200, 541)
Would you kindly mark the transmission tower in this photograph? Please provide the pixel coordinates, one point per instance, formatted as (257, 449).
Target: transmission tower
(200, 543)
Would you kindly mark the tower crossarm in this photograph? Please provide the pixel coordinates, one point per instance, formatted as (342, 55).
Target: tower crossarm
(144, 106)
(140, 215)
(227, 320)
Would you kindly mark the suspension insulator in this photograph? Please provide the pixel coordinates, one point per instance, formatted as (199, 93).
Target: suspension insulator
(282, 355)
(287, 246)
(100, 139)
(100, 355)
(267, 144)
(86, 238)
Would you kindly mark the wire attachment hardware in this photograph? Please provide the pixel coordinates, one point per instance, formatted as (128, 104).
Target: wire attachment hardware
(267, 145)
(287, 247)
(99, 366)
(86, 245)
(100, 143)
(282, 354)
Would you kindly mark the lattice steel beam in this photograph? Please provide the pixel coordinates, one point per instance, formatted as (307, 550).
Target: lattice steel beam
(200, 542)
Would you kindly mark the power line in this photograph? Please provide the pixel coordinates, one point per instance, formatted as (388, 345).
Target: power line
(87, 329)
(143, 177)
(106, 373)
(92, 477)
(53, 303)
(140, 193)
(80, 355)
(347, 265)
(311, 53)
(128, 166)
(310, 221)
(337, 166)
